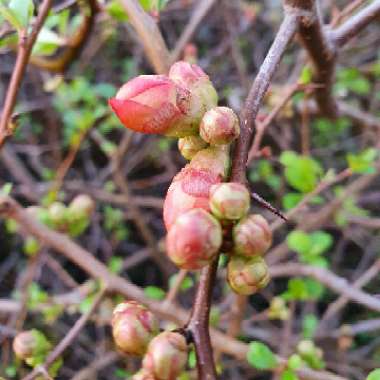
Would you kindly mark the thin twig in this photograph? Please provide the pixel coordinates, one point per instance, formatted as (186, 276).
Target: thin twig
(26, 43)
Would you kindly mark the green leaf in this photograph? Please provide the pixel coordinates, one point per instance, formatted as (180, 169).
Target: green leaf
(291, 200)
(10, 16)
(6, 189)
(306, 75)
(321, 242)
(299, 241)
(22, 9)
(295, 362)
(47, 42)
(115, 264)
(309, 325)
(289, 375)
(260, 356)
(192, 361)
(374, 375)
(297, 289)
(154, 292)
(363, 162)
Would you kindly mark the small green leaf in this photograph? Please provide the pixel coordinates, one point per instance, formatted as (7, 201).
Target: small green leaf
(299, 241)
(374, 375)
(260, 356)
(23, 10)
(309, 325)
(291, 200)
(289, 375)
(363, 162)
(192, 361)
(115, 264)
(295, 362)
(306, 75)
(154, 292)
(6, 189)
(10, 16)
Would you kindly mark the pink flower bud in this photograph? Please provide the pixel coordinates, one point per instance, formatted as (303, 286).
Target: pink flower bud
(194, 79)
(191, 186)
(252, 236)
(31, 343)
(247, 275)
(194, 239)
(189, 146)
(229, 200)
(219, 126)
(166, 356)
(133, 326)
(155, 104)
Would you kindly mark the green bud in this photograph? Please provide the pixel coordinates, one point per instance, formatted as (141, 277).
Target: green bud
(229, 200)
(189, 146)
(82, 204)
(30, 344)
(31, 246)
(247, 275)
(278, 309)
(166, 356)
(58, 214)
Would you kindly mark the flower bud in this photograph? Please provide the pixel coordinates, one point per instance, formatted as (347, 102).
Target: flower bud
(194, 239)
(155, 104)
(219, 126)
(58, 214)
(133, 326)
(306, 348)
(194, 79)
(190, 145)
(82, 204)
(252, 236)
(29, 344)
(247, 275)
(229, 200)
(166, 356)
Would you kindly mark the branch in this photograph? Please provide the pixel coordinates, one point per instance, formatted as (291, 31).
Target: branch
(321, 52)
(331, 280)
(259, 87)
(355, 24)
(151, 37)
(25, 49)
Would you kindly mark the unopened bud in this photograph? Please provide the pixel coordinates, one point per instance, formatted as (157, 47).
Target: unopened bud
(29, 344)
(194, 239)
(278, 309)
(82, 204)
(143, 375)
(252, 236)
(229, 200)
(219, 126)
(58, 214)
(194, 79)
(247, 275)
(166, 356)
(133, 326)
(190, 145)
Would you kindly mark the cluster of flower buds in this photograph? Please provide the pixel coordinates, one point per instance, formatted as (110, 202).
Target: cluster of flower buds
(136, 332)
(198, 203)
(31, 346)
(73, 219)
(278, 309)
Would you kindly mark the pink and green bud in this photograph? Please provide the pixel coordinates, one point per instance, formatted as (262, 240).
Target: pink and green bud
(133, 326)
(166, 356)
(189, 146)
(58, 214)
(219, 126)
(194, 79)
(194, 239)
(229, 200)
(247, 275)
(30, 344)
(191, 186)
(82, 205)
(252, 236)
(155, 104)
